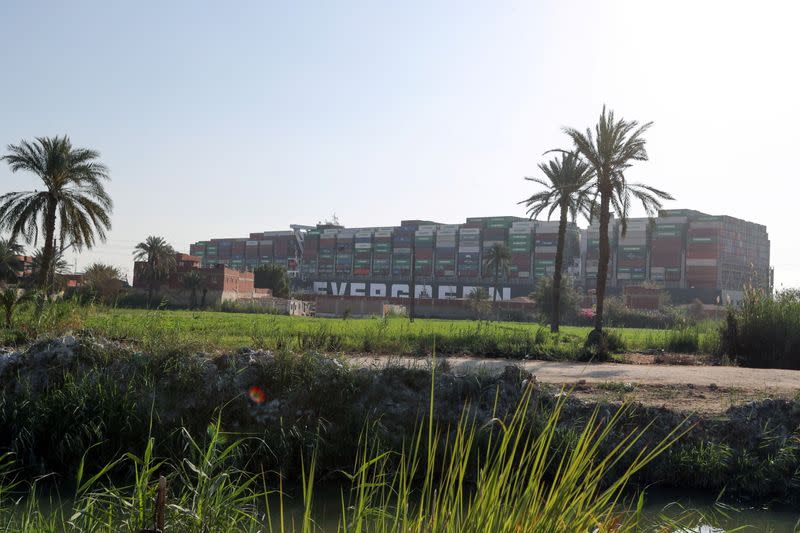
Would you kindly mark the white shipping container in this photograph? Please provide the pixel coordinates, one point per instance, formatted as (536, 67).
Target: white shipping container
(363, 245)
(426, 227)
(383, 233)
(252, 243)
(265, 243)
(469, 249)
(469, 231)
(695, 224)
(363, 234)
(545, 250)
(701, 262)
(547, 227)
(530, 224)
(424, 233)
(520, 231)
(658, 270)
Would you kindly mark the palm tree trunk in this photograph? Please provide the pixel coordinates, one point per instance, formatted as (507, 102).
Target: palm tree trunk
(562, 233)
(605, 253)
(149, 294)
(45, 269)
(494, 295)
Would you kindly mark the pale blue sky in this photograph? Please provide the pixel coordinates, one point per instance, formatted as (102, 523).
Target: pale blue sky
(218, 119)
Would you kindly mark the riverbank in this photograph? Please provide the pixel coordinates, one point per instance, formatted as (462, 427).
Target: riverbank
(63, 397)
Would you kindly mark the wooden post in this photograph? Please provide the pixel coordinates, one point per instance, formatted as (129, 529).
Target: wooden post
(159, 512)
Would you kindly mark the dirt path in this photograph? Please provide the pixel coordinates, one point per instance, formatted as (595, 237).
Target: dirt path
(557, 372)
(699, 389)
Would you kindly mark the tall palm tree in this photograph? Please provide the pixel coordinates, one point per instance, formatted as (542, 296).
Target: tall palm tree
(192, 281)
(159, 259)
(610, 151)
(568, 189)
(73, 206)
(496, 260)
(10, 264)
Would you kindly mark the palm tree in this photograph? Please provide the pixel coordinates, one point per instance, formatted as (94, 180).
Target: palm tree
(497, 260)
(610, 151)
(73, 206)
(192, 281)
(58, 267)
(102, 281)
(10, 264)
(10, 298)
(159, 259)
(567, 188)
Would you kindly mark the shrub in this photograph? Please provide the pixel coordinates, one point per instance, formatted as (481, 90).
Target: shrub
(764, 332)
(543, 296)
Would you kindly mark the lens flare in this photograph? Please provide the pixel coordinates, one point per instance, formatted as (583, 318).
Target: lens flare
(257, 395)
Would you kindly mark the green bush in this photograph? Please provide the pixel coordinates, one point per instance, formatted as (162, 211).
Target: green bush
(764, 331)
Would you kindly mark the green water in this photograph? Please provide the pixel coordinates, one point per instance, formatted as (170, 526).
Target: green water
(722, 517)
(718, 517)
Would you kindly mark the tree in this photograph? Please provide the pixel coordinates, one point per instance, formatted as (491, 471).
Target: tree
(58, 267)
(497, 260)
(73, 206)
(567, 189)
(544, 295)
(478, 300)
(159, 262)
(192, 280)
(10, 298)
(10, 264)
(103, 281)
(610, 151)
(273, 277)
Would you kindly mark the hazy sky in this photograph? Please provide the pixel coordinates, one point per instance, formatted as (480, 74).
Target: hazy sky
(220, 119)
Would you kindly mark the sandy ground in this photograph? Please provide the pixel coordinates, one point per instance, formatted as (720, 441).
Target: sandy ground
(706, 389)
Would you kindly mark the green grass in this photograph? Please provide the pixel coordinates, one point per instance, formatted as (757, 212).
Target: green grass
(523, 483)
(209, 330)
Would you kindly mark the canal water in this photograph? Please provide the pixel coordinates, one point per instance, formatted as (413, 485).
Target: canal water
(719, 517)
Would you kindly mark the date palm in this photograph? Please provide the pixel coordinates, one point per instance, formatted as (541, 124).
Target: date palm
(568, 185)
(192, 281)
(497, 260)
(73, 205)
(10, 264)
(159, 262)
(611, 150)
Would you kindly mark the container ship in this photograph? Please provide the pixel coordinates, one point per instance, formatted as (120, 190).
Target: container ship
(689, 254)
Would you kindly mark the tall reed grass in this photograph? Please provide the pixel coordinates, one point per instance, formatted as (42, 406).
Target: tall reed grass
(764, 331)
(523, 482)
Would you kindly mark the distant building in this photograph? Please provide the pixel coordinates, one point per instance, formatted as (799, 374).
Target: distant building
(218, 284)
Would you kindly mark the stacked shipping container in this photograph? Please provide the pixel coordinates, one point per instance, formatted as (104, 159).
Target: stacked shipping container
(520, 244)
(401, 253)
(632, 251)
(469, 250)
(423, 251)
(544, 249)
(668, 249)
(382, 253)
(446, 251)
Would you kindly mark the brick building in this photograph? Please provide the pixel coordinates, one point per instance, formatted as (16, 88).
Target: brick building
(218, 283)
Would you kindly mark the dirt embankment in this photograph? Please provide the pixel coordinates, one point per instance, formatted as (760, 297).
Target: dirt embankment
(687, 388)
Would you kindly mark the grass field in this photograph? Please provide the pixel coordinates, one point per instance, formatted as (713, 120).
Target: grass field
(207, 331)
